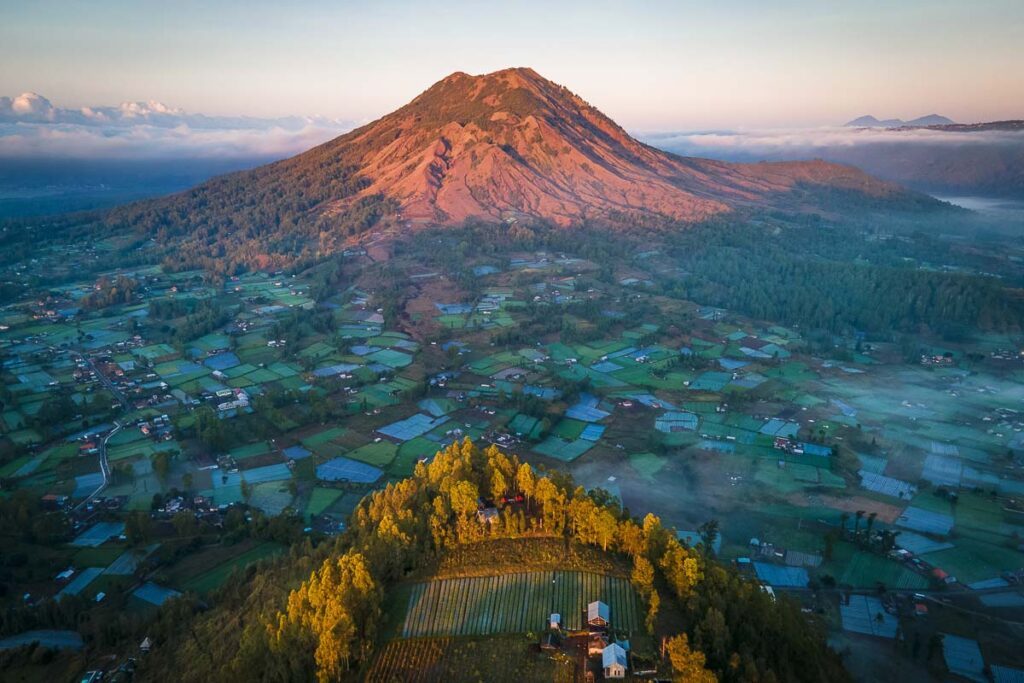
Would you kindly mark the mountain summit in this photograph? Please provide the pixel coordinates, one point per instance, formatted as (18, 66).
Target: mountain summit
(514, 144)
(497, 147)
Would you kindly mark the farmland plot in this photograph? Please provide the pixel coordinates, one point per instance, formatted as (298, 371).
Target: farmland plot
(515, 603)
(504, 658)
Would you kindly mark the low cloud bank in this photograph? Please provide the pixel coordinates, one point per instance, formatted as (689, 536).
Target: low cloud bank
(788, 141)
(32, 127)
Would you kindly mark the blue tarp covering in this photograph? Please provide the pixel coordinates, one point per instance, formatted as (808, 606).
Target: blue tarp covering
(783, 577)
(222, 361)
(926, 521)
(815, 449)
(332, 370)
(257, 475)
(347, 469)
(963, 657)
(861, 615)
(586, 413)
(154, 594)
(296, 453)
(98, 534)
(411, 427)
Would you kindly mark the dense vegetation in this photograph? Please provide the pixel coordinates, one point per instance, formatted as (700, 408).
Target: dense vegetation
(816, 275)
(831, 280)
(279, 627)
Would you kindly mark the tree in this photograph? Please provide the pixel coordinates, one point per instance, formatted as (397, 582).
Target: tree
(137, 527)
(687, 664)
(162, 466)
(682, 570)
(653, 605)
(526, 481)
(605, 526)
(499, 487)
(708, 535)
(464, 495)
(642, 575)
(184, 523)
(335, 609)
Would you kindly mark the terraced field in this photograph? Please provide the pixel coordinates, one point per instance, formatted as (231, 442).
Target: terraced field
(515, 603)
(493, 659)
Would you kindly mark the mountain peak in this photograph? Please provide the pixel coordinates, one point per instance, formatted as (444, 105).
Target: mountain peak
(512, 145)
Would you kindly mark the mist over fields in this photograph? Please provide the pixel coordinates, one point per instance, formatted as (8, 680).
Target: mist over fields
(987, 163)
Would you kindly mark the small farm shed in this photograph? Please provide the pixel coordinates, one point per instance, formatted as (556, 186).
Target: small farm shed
(598, 614)
(613, 661)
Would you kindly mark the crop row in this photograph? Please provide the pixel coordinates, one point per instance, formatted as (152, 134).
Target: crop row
(515, 603)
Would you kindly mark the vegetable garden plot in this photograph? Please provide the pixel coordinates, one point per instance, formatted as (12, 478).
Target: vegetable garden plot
(563, 450)
(515, 603)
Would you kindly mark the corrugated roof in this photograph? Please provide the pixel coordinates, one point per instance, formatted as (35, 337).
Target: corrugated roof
(613, 654)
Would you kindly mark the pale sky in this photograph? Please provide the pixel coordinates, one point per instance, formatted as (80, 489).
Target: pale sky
(649, 65)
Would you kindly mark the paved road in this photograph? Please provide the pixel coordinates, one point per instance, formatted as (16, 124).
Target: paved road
(104, 466)
(104, 462)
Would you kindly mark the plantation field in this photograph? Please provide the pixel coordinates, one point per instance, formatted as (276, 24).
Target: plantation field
(502, 658)
(207, 569)
(515, 603)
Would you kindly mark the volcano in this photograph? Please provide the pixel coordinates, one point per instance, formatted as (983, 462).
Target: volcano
(513, 144)
(505, 146)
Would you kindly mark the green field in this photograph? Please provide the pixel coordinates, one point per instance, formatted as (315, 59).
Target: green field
(377, 454)
(865, 570)
(515, 603)
(213, 579)
(320, 499)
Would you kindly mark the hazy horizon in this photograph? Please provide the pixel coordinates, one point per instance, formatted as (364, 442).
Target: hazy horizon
(656, 67)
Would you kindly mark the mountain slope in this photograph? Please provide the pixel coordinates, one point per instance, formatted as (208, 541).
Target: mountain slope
(510, 144)
(513, 143)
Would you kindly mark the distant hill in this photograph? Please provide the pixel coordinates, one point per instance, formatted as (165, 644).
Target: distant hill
(509, 145)
(872, 122)
(1011, 126)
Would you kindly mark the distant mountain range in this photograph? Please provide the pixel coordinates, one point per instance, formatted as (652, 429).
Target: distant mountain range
(872, 122)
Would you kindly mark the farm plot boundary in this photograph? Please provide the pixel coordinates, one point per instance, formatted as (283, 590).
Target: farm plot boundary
(515, 603)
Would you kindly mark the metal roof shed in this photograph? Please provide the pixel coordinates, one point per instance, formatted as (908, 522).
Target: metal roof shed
(598, 614)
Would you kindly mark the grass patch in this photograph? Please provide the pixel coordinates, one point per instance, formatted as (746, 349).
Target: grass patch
(214, 578)
(378, 454)
(320, 499)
